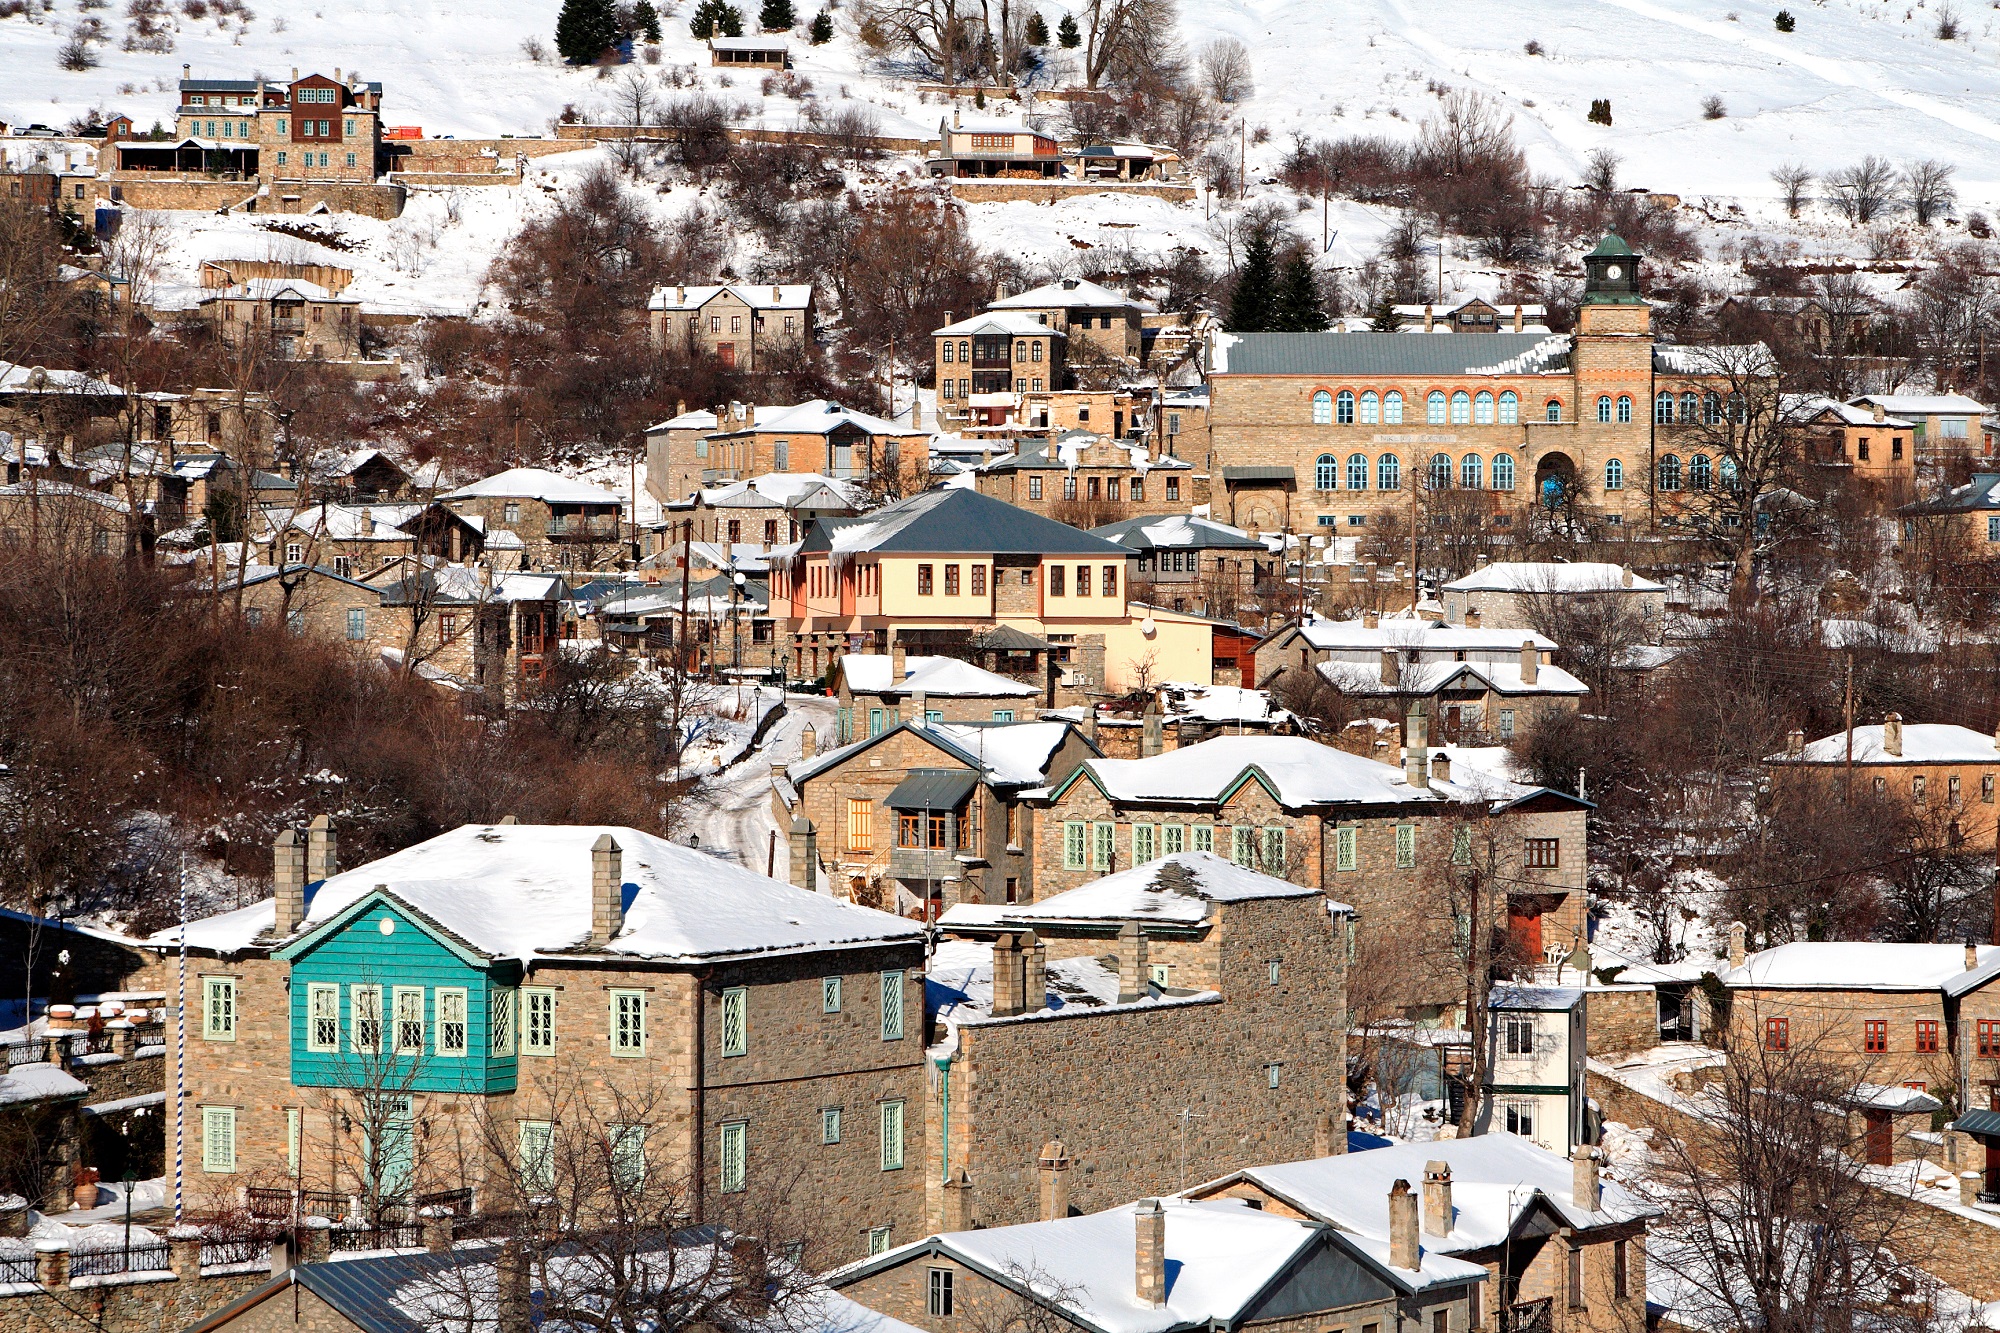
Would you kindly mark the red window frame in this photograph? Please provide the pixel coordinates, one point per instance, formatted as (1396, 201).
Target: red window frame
(1927, 1036)
(1989, 1038)
(1777, 1034)
(1875, 1036)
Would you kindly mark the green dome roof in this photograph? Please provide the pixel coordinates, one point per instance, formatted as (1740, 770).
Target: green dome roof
(1611, 245)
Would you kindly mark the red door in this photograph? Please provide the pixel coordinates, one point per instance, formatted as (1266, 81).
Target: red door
(1881, 1142)
(1524, 931)
(726, 353)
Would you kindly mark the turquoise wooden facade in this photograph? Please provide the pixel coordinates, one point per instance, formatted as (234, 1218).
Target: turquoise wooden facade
(335, 969)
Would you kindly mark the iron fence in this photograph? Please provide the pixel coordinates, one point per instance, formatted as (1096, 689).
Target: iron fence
(143, 1258)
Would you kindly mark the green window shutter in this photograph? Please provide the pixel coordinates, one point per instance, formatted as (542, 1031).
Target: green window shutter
(1406, 846)
(736, 1021)
(1344, 852)
(1073, 845)
(892, 1006)
(892, 1136)
(735, 1151)
(218, 1138)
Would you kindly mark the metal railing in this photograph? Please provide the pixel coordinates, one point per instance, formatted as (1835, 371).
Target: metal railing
(406, 1237)
(278, 1205)
(18, 1268)
(24, 1053)
(143, 1258)
(235, 1250)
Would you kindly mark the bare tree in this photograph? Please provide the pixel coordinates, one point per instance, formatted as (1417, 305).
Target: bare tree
(1848, 307)
(1596, 627)
(1949, 309)
(1225, 67)
(1928, 190)
(1600, 170)
(1793, 180)
(1863, 190)
(1123, 39)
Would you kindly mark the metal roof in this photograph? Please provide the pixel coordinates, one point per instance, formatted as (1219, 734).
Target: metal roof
(950, 522)
(1007, 639)
(933, 789)
(1259, 472)
(1391, 354)
(1984, 1123)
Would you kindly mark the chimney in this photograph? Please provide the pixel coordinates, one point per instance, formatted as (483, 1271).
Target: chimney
(917, 415)
(1034, 973)
(322, 850)
(1971, 956)
(1625, 575)
(1392, 667)
(1089, 727)
(1441, 768)
(776, 295)
(295, 74)
(1132, 972)
(1437, 1198)
(680, 298)
(1737, 952)
(508, 820)
(957, 1204)
(808, 744)
(1371, 619)
(920, 705)
(1881, 412)
(1150, 1253)
(898, 663)
(336, 75)
(1006, 977)
(1517, 317)
(1150, 739)
(1531, 663)
(1584, 1188)
(1472, 617)
(1795, 743)
(1053, 1167)
(288, 880)
(1402, 1226)
(1892, 734)
(804, 855)
(607, 890)
(1416, 747)
(1430, 319)
(1323, 1132)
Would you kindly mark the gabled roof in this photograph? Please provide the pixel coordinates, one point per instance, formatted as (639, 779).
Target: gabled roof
(1923, 743)
(1298, 772)
(1804, 407)
(758, 296)
(1418, 636)
(1070, 293)
(1178, 532)
(964, 124)
(1844, 965)
(1981, 493)
(1923, 404)
(1008, 754)
(534, 483)
(787, 490)
(278, 289)
(951, 522)
(772, 43)
(1175, 889)
(935, 677)
(1003, 321)
(1553, 576)
(816, 416)
(1390, 354)
(1431, 676)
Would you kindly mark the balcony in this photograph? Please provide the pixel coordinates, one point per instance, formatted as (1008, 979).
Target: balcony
(925, 863)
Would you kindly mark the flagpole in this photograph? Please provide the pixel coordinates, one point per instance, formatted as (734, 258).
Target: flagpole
(180, 1050)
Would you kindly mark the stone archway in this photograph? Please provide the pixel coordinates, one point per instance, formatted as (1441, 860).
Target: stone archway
(1557, 479)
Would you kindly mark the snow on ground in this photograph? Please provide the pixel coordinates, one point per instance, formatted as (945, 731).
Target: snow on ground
(732, 812)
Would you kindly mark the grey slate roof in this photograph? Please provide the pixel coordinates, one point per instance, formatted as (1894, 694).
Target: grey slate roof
(1177, 532)
(1981, 493)
(952, 522)
(1986, 1123)
(1392, 354)
(933, 789)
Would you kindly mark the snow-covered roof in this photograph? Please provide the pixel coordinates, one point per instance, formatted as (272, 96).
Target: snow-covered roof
(1553, 576)
(964, 124)
(1419, 636)
(1389, 354)
(1535, 998)
(1923, 743)
(958, 991)
(534, 483)
(747, 44)
(345, 523)
(1806, 406)
(784, 489)
(1849, 965)
(39, 1083)
(1894, 1098)
(1299, 772)
(699, 419)
(1221, 703)
(1177, 532)
(937, 677)
(944, 522)
(1176, 888)
(1495, 1180)
(1982, 492)
(1431, 675)
(1714, 359)
(758, 296)
(15, 378)
(278, 289)
(1923, 404)
(816, 416)
(1002, 321)
(1068, 294)
(1010, 754)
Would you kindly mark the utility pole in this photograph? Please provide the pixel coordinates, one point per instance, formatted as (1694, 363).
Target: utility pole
(687, 570)
(1242, 159)
(1847, 711)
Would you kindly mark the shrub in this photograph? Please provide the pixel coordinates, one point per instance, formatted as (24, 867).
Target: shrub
(1037, 30)
(1785, 21)
(1947, 24)
(1976, 224)
(1600, 111)
(75, 53)
(1712, 107)
(1533, 48)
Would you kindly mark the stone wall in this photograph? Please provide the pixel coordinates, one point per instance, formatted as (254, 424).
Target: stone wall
(807, 138)
(137, 1303)
(1002, 191)
(202, 194)
(1622, 1018)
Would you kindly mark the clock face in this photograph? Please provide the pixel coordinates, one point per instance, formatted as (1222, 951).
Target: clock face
(1614, 272)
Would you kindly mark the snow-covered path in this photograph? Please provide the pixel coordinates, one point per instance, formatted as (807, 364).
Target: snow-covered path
(732, 813)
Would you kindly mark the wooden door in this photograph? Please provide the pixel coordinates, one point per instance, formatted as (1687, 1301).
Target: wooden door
(1881, 1139)
(1524, 931)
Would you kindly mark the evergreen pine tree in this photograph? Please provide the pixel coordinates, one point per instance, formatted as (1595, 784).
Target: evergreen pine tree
(1038, 29)
(777, 15)
(584, 29)
(730, 21)
(1254, 303)
(646, 19)
(1298, 308)
(1067, 34)
(821, 31)
(701, 24)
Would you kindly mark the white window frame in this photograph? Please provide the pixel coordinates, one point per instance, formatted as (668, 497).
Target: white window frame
(735, 1021)
(538, 1029)
(733, 1165)
(218, 1008)
(316, 992)
(891, 1115)
(398, 995)
(450, 999)
(628, 1042)
(878, 1240)
(218, 1140)
(364, 1005)
(829, 1124)
(892, 1005)
(939, 1294)
(829, 995)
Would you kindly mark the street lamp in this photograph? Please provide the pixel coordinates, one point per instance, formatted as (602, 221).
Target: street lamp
(736, 583)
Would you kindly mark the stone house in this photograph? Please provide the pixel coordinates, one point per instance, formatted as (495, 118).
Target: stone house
(1944, 425)
(994, 360)
(313, 129)
(1861, 441)
(357, 1034)
(774, 509)
(494, 631)
(874, 689)
(302, 320)
(1536, 1047)
(1165, 1264)
(42, 406)
(1363, 832)
(1472, 316)
(994, 146)
(353, 539)
(1904, 1018)
(742, 325)
(1504, 594)
(315, 601)
(920, 816)
(1962, 526)
(1563, 1249)
(62, 516)
(1088, 480)
(742, 441)
(563, 523)
(1943, 772)
(1193, 564)
(1101, 324)
(1341, 429)
(364, 476)
(1222, 995)
(763, 52)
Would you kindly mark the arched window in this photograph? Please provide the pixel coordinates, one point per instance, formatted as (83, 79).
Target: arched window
(1688, 401)
(1510, 408)
(964, 350)
(1357, 472)
(1663, 409)
(1726, 469)
(947, 349)
(1554, 411)
(1343, 410)
(1388, 473)
(1326, 473)
(1700, 474)
(1392, 408)
(1471, 472)
(1503, 472)
(1440, 478)
(1434, 407)
(1624, 409)
(1461, 408)
(1711, 408)
(1322, 408)
(1614, 475)
(1670, 472)
(1738, 409)
(1371, 408)
(1482, 409)
(1604, 407)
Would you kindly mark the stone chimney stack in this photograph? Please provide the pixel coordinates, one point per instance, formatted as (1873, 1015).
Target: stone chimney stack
(958, 1203)
(1132, 973)
(1437, 1198)
(1441, 768)
(1150, 1253)
(1089, 724)
(1371, 619)
(1892, 734)
(1881, 412)
(804, 860)
(1150, 738)
(808, 743)
(607, 890)
(920, 708)
(1392, 667)
(1430, 318)
(1472, 617)
(1737, 952)
(1006, 977)
(1402, 1226)
(1053, 1167)
(1531, 663)
(1517, 317)
(1625, 575)
(1034, 972)
(917, 415)
(1971, 955)
(1323, 1131)
(288, 881)
(322, 850)
(1795, 743)
(1585, 1187)
(899, 660)
(1416, 748)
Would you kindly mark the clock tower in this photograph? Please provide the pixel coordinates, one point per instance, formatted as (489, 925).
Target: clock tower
(1611, 274)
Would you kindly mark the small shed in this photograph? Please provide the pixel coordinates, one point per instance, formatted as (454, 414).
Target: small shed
(756, 52)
